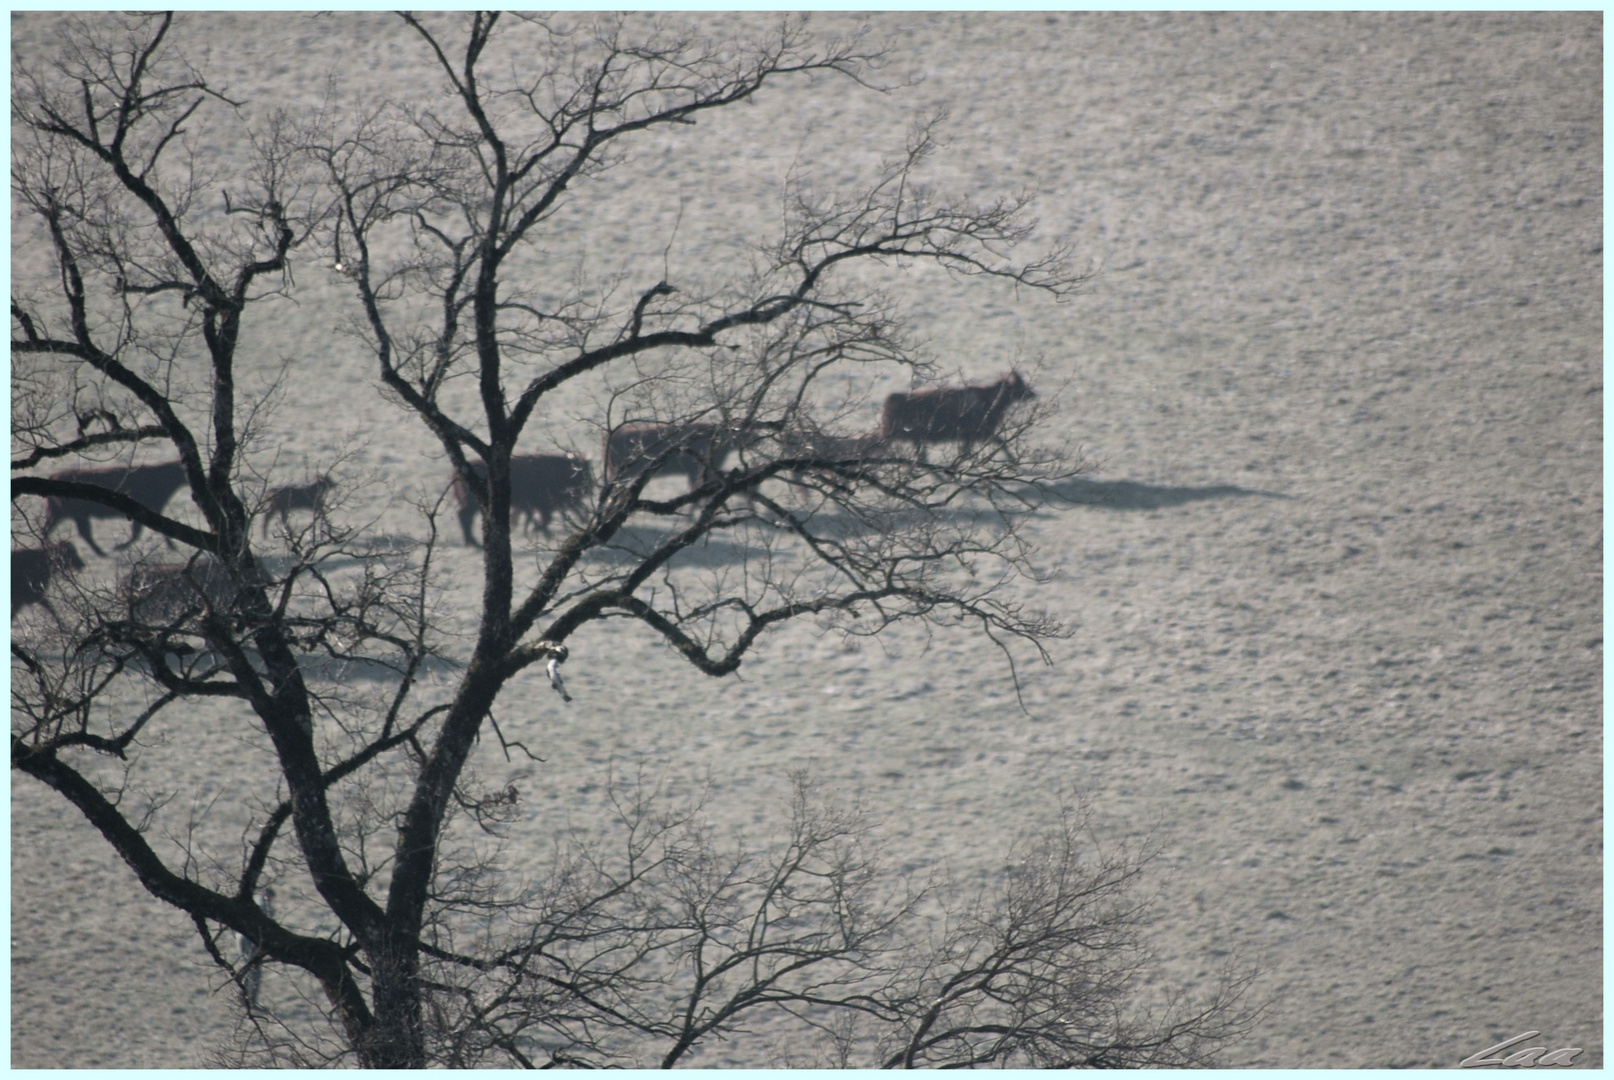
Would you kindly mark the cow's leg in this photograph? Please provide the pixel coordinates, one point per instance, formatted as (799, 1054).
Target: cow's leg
(83, 524)
(466, 514)
(134, 534)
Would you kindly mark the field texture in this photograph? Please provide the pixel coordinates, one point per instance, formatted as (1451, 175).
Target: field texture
(1336, 583)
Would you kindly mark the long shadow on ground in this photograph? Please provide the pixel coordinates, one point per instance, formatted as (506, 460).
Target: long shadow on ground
(1131, 495)
(633, 543)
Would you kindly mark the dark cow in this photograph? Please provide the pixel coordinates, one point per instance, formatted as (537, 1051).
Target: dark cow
(283, 500)
(825, 449)
(33, 568)
(149, 485)
(541, 484)
(961, 414)
(695, 450)
(167, 593)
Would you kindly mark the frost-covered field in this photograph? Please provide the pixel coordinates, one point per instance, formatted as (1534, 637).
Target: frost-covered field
(1337, 594)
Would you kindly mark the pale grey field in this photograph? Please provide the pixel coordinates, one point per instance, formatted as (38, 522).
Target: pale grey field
(1337, 596)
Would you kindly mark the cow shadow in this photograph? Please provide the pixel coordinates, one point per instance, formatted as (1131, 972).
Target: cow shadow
(1132, 495)
(632, 544)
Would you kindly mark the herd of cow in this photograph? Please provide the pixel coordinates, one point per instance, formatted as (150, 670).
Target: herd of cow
(541, 485)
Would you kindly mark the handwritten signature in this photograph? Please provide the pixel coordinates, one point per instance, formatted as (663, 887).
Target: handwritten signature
(1528, 1057)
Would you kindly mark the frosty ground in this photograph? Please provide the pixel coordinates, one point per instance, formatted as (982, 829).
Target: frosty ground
(1336, 584)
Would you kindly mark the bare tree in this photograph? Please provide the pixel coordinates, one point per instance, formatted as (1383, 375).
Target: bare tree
(431, 212)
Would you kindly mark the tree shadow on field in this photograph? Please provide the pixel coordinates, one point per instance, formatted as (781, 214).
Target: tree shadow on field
(1131, 495)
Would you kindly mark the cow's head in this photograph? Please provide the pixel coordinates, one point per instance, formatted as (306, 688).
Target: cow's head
(1017, 387)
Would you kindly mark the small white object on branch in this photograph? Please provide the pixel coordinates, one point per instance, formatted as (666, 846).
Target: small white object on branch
(557, 657)
(247, 951)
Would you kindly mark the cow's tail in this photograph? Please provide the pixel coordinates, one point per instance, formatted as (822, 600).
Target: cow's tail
(890, 426)
(609, 464)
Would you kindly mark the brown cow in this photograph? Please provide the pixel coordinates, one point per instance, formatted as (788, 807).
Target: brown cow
(824, 449)
(540, 484)
(149, 485)
(961, 414)
(282, 500)
(33, 568)
(170, 593)
(697, 450)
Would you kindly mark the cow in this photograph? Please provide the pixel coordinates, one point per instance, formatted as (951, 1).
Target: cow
(33, 568)
(149, 485)
(540, 484)
(825, 449)
(961, 414)
(169, 593)
(282, 500)
(696, 450)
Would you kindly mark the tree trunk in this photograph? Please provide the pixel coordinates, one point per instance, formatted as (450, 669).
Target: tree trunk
(397, 1041)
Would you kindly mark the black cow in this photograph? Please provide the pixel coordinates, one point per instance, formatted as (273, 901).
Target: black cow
(541, 484)
(149, 485)
(166, 593)
(961, 414)
(696, 450)
(283, 500)
(32, 569)
(825, 449)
